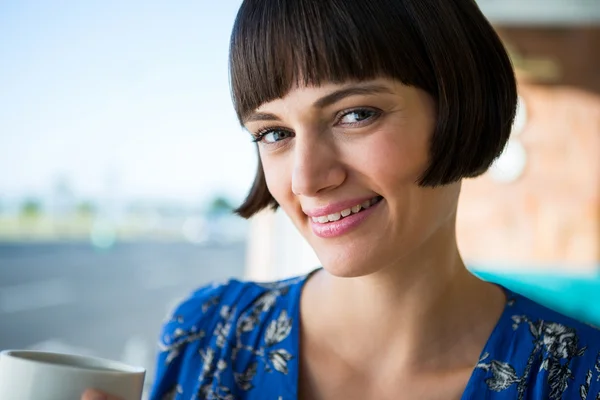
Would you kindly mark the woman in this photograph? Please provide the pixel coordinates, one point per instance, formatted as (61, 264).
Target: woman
(367, 115)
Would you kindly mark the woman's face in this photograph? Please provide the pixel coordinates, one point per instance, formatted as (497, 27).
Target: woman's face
(343, 161)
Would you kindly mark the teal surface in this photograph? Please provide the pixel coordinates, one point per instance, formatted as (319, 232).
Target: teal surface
(575, 296)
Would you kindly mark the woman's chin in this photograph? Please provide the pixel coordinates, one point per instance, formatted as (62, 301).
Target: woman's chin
(347, 265)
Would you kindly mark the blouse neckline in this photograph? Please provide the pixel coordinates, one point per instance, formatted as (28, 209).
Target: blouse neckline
(491, 343)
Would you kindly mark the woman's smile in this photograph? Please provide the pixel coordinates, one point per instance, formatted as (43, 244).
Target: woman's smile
(340, 218)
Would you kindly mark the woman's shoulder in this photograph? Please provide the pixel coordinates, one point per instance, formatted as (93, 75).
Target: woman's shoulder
(204, 307)
(225, 336)
(525, 310)
(543, 352)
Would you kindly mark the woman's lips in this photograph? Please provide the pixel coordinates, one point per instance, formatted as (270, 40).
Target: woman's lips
(346, 224)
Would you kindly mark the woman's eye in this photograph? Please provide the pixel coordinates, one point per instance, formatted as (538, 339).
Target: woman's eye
(357, 116)
(274, 136)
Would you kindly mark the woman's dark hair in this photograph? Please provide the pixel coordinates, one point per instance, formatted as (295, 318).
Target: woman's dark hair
(445, 47)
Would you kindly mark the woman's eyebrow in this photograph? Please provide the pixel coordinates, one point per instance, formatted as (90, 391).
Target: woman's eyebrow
(360, 89)
(327, 100)
(261, 116)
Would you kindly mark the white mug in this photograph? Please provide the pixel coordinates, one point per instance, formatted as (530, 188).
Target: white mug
(36, 375)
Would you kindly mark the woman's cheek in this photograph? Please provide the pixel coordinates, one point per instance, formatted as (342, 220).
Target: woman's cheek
(385, 158)
(278, 178)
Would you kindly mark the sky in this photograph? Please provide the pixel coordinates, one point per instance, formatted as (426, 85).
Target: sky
(124, 97)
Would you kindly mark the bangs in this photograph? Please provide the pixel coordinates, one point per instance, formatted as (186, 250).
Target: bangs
(278, 44)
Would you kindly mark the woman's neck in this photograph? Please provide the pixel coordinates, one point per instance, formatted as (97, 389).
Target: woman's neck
(411, 313)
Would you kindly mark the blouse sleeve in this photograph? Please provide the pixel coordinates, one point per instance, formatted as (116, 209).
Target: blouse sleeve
(188, 325)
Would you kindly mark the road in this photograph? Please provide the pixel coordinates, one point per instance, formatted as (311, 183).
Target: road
(110, 303)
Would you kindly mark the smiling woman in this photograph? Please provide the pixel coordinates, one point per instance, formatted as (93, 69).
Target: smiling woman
(367, 116)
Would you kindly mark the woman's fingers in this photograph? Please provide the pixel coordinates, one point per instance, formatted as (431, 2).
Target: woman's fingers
(92, 394)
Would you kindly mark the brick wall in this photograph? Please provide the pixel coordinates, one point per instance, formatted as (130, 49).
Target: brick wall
(550, 216)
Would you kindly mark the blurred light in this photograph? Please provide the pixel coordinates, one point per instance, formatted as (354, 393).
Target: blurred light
(511, 164)
(103, 234)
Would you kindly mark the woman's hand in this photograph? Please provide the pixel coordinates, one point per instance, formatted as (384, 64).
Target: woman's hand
(92, 394)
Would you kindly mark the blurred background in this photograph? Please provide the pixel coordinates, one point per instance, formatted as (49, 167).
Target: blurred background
(121, 159)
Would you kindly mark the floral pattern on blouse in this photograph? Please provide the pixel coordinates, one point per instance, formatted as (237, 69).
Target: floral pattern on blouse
(239, 341)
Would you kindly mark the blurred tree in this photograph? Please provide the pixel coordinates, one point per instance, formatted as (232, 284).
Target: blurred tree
(220, 205)
(31, 208)
(86, 209)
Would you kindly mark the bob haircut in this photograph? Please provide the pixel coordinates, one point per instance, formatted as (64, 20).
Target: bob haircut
(444, 47)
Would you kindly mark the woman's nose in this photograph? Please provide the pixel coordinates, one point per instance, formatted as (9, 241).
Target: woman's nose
(317, 167)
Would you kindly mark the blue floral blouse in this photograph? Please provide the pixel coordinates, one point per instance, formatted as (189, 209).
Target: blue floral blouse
(239, 341)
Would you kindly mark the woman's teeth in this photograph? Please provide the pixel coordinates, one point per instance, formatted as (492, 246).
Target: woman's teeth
(344, 213)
